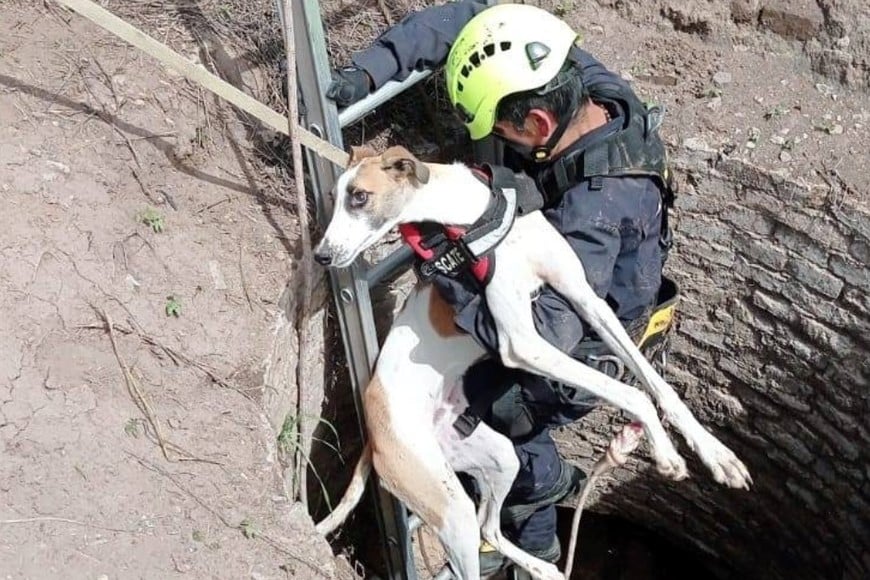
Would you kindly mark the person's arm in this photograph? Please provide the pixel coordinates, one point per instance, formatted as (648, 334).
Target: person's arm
(419, 41)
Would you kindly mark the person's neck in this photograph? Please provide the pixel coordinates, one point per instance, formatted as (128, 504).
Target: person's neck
(591, 117)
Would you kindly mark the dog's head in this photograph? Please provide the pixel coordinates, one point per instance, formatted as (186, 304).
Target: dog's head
(369, 199)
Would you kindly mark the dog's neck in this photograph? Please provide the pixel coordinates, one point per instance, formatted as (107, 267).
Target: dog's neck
(452, 196)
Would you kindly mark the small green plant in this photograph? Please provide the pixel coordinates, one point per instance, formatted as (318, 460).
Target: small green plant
(711, 93)
(152, 218)
(287, 436)
(288, 444)
(563, 8)
(131, 427)
(776, 112)
(173, 307)
(249, 530)
(638, 69)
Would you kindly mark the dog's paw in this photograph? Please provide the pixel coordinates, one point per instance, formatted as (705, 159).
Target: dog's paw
(727, 469)
(672, 466)
(545, 571)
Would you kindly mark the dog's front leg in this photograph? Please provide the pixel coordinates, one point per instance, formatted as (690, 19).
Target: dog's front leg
(565, 274)
(522, 347)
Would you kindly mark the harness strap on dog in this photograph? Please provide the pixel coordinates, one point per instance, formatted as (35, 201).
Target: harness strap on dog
(454, 251)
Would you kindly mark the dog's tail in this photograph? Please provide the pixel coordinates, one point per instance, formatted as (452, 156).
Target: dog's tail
(351, 496)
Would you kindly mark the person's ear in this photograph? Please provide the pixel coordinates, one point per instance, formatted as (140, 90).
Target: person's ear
(541, 124)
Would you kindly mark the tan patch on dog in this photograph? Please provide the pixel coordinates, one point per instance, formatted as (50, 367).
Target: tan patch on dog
(357, 154)
(387, 196)
(441, 315)
(398, 465)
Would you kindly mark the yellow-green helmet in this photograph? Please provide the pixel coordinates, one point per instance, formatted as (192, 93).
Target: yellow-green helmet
(506, 49)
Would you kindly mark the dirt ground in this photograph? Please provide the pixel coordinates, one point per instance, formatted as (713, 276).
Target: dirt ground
(123, 186)
(130, 195)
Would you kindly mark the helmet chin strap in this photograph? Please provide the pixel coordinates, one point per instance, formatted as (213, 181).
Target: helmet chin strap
(541, 153)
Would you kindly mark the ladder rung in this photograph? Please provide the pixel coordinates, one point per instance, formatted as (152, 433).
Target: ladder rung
(414, 522)
(360, 109)
(392, 264)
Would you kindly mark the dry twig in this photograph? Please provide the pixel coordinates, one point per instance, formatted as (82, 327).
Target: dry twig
(133, 387)
(144, 406)
(67, 521)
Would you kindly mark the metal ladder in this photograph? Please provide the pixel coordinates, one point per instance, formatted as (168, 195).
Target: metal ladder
(351, 286)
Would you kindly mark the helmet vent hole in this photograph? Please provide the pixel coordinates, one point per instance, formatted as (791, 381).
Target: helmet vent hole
(537, 53)
(489, 49)
(459, 87)
(475, 59)
(505, 46)
(466, 71)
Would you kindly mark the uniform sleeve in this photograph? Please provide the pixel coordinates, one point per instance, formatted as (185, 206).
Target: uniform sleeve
(420, 41)
(594, 236)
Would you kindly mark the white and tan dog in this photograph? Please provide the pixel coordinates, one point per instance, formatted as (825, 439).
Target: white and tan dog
(416, 392)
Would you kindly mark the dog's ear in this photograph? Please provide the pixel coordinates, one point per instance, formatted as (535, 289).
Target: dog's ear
(402, 163)
(357, 154)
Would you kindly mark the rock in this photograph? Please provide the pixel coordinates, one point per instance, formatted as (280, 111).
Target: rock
(843, 43)
(714, 103)
(722, 78)
(744, 10)
(216, 275)
(837, 130)
(63, 168)
(777, 140)
(785, 156)
(792, 19)
(697, 144)
(826, 90)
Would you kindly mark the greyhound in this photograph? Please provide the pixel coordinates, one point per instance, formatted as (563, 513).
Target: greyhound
(416, 393)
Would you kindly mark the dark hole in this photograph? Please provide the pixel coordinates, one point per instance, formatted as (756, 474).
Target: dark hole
(475, 59)
(505, 45)
(465, 71)
(489, 49)
(613, 548)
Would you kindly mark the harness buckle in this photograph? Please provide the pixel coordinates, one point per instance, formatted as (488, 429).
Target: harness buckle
(466, 423)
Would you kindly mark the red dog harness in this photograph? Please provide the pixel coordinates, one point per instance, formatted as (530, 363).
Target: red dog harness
(455, 251)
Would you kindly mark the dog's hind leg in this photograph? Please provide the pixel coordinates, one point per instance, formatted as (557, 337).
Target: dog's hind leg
(412, 466)
(490, 458)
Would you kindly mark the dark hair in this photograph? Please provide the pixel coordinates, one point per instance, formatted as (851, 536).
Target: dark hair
(563, 101)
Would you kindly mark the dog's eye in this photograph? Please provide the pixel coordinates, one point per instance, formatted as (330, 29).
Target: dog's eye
(358, 198)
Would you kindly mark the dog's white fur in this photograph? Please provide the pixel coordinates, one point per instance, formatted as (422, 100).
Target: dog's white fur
(416, 395)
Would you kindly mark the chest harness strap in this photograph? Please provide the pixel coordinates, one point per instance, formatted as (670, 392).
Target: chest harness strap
(454, 251)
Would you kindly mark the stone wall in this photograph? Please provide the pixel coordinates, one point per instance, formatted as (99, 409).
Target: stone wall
(772, 355)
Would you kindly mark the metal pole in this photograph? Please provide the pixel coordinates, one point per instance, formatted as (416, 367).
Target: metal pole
(350, 286)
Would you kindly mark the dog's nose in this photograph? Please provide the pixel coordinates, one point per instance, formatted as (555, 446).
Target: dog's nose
(322, 258)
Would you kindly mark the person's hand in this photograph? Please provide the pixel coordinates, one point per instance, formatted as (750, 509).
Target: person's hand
(349, 85)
